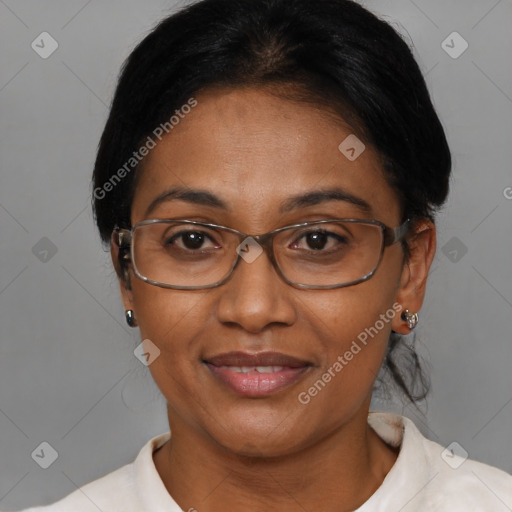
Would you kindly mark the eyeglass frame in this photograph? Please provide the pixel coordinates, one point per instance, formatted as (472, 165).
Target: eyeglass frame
(122, 237)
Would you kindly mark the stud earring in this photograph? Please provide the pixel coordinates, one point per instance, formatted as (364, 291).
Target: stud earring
(410, 318)
(130, 318)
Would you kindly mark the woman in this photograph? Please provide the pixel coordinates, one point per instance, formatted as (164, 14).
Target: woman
(267, 179)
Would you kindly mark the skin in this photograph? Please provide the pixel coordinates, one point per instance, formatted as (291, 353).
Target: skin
(227, 452)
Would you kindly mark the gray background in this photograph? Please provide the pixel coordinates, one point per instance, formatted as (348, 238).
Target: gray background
(68, 375)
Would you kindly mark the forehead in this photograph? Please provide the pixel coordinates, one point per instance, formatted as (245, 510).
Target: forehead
(255, 150)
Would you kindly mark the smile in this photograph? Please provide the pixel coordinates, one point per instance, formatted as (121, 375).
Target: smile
(268, 373)
(252, 369)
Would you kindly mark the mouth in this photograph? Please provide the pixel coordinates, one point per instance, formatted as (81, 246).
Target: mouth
(256, 375)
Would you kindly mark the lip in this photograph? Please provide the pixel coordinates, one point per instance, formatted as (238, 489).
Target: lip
(287, 371)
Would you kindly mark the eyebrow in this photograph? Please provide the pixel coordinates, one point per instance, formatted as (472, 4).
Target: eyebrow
(206, 198)
(320, 196)
(201, 197)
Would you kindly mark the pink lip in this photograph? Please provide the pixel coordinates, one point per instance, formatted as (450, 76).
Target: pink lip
(253, 383)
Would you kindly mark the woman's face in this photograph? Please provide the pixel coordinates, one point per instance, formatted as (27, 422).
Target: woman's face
(254, 151)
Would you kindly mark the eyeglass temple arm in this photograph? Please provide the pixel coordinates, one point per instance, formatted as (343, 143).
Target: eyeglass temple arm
(392, 235)
(122, 238)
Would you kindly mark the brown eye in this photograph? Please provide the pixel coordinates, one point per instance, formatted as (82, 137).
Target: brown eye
(316, 240)
(189, 240)
(319, 240)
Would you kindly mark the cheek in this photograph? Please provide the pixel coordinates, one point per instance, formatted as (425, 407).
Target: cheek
(355, 332)
(171, 319)
(164, 312)
(355, 344)
(352, 326)
(351, 313)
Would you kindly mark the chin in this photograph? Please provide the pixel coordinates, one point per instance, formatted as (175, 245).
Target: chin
(257, 433)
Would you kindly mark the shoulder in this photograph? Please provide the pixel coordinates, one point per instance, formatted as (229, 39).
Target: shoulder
(131, 488)
(466, 483)
(431, 477)
(114, 491)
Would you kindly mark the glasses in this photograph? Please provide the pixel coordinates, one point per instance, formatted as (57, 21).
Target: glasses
(190, 255)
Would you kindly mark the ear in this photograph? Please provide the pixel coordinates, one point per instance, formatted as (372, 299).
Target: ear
(413, 279)
(123, 276)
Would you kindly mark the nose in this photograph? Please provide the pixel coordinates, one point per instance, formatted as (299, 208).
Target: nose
(256, 296)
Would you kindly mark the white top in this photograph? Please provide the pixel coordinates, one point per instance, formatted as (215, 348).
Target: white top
(425, 477)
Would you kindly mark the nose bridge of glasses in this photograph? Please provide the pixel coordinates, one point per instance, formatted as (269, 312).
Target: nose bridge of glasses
(265, 241)
(252, 242)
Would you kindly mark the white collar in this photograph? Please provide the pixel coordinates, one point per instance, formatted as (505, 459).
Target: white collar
(393, 429)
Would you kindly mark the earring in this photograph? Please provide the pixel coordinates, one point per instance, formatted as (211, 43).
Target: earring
(130, 318)
(410, 318)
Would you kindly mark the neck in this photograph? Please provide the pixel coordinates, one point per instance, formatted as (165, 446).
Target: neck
(343, 470)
